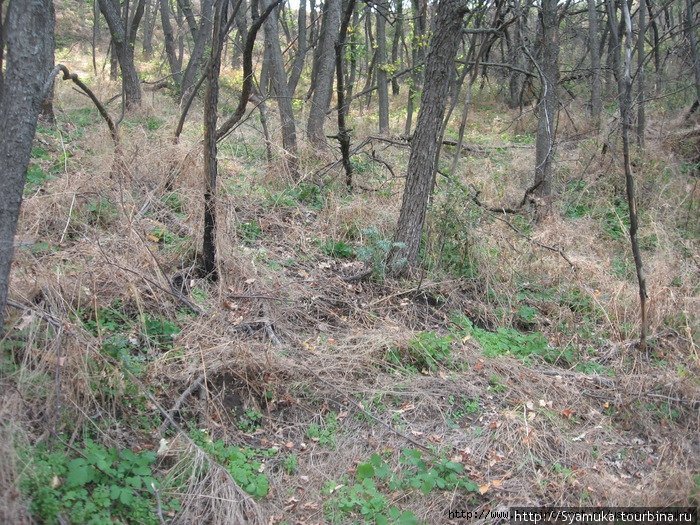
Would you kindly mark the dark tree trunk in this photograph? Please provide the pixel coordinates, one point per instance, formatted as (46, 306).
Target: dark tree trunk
(47, 114)
(594, 46)
(123, 38)
(382, 87)
(548, 69)
(201, 40)
(424, 146)
(343, 104)
(396, 45)
(691, 31)
(211, 103)
(352, 73)
(2, 48)
(302, 46)
(149, 27)
(281, 91)
(29, 37)
(418, 57)
(625, 98)
(641, 90)
(113, 62)
(324, 78)
(169, 41)
(241, 36)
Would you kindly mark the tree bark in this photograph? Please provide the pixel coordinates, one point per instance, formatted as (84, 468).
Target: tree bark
(382, 87)
(149, 26)
(424, 146)
(123, 37)
(641, 90)
(594, 46)
(396, 45)
(29, 36)
(693, 43)
(548, 69)
(302, 46)
(281, 91)
(324, 78)
(211, 103)
(625, 98)
(169, 42)
(343, 104)
(201, 40)
(418, 57)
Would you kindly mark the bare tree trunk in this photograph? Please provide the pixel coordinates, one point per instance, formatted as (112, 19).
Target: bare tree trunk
(29, 33)
(123, 37)
(169, 41)
(641, 116)
(418, 57)
(352, 74)
(324, 79)
(211, 103)
(396, 44)
(149, 27)
(625, 98)
(202, 39)
(382, 87)
(424, 146)
(302, 46)
(2, 50)
(280, 87)
(47, 114)
(241, 36)
(548, 69)
(343, 103)
(594, 46)
(693, 43)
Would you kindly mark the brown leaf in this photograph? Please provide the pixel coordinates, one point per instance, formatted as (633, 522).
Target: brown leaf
(567, 413)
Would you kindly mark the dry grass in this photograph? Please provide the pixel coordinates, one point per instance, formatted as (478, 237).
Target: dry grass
(284, 334)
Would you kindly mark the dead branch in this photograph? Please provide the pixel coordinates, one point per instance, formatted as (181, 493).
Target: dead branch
(67, 75)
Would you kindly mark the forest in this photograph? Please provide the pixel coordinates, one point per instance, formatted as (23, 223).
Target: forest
(343, 261)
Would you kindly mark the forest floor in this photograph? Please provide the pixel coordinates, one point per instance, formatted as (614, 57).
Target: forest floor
(505, 374)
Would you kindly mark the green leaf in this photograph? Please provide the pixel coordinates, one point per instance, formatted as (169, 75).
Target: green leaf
(79, 473)
(365, 470)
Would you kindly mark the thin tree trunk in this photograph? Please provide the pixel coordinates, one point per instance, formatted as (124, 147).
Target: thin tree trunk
(281, 91)
(169, 41)
(641, 116)
(343, 104)
(424, 146)
(625, 99)
(418, 57)
(211, 103)
(202, 39)
(693, 43)
(123, 37)
(396, 45)
(382, 87)
(149, 27)
(594, 46)
(324, 79)
(302, 46)
(548, 69)
(28, 31)
(352, 73)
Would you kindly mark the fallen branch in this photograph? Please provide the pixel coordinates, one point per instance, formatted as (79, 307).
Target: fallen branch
(179, 402)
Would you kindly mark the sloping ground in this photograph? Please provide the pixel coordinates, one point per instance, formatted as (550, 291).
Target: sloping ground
(506, 374)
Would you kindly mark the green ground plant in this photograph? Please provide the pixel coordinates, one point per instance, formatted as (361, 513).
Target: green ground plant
(97, 485)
